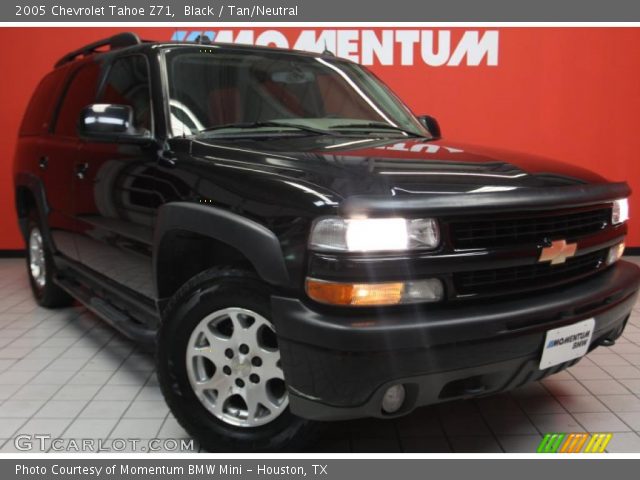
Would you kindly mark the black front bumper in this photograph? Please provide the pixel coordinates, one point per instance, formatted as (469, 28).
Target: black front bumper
(338, 365)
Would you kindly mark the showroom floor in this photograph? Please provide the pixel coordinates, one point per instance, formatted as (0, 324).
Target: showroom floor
(67, 374)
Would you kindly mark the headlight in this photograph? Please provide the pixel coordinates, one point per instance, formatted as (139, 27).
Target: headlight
(374, 234)
(620, 212)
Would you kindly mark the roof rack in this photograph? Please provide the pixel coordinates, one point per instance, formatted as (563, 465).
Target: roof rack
(120, 40)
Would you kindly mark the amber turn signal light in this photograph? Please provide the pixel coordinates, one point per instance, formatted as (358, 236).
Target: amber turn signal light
(374, 294)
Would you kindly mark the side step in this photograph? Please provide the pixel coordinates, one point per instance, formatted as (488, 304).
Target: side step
(115, 317)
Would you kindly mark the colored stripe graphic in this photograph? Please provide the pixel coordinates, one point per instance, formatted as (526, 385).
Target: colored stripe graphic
(581, 443)
(551, 442)
(598, 443)
(574, 443)
(569, 444)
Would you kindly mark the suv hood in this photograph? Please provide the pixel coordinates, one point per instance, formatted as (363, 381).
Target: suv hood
(346, 165)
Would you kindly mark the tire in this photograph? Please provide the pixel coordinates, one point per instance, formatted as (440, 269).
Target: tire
(41, 269)
(215, 313)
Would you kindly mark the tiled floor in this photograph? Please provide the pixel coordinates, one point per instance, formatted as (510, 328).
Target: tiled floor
(67, 374)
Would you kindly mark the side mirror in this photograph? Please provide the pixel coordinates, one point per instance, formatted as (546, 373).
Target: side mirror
(430, 124)
(110, 123)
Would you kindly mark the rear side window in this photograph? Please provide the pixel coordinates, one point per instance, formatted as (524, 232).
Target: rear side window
(80, 93)
(40, 109)
(127, 83)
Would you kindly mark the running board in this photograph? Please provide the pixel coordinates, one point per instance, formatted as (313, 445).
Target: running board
(115, 317)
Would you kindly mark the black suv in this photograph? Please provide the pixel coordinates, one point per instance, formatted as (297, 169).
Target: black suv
(298, 245)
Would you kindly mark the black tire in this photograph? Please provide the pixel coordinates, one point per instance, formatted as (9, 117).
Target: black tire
(208, 292)
(48, 295)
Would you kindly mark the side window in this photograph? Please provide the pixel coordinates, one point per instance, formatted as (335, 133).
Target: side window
(40, 109)
(80, 93)
(128, 84)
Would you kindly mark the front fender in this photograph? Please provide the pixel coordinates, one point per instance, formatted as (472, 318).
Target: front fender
(33, 185)
(256, 242)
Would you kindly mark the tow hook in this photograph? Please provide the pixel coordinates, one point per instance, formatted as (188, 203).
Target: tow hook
(610, 340)
(607, 342)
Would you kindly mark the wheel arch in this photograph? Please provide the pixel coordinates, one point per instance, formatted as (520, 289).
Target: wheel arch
(30, 195)
(218, 238)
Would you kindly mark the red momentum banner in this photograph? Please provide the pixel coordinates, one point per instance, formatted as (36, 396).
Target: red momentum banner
(566, 93)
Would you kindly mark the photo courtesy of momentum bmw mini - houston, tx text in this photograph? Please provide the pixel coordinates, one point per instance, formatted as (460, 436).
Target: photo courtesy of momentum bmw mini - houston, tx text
(262, 237)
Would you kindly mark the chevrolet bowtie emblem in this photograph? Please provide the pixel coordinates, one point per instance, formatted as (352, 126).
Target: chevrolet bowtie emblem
(558, 252)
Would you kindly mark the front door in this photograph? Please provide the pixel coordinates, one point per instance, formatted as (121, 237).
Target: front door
(115, 197)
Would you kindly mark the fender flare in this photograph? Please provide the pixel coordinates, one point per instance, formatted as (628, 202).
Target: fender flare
(256, 242)
(35, 186)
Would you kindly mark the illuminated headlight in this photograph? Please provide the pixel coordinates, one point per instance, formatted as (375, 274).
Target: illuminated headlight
(374, 234)
(620, 212)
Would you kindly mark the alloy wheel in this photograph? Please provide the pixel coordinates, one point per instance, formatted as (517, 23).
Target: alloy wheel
(37, 260)
(233, 364)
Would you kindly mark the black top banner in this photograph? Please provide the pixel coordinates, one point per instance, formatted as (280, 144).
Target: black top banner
(206, 11)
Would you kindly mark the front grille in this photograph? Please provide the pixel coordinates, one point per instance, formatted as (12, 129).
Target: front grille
(530, 228)
(527, 277)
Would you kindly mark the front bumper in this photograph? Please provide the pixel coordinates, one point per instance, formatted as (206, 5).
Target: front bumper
(338, 365)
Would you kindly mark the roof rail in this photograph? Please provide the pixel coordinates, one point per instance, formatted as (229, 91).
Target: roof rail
(120, 40)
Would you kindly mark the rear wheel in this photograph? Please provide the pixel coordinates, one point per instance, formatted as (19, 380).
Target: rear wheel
(41, 269)
(219, 366)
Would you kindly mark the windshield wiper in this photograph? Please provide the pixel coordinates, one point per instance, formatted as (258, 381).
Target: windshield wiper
(370, 125)
(248, 125)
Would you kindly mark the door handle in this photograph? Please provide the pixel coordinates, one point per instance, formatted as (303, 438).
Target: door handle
(43, 163)
(81, 169)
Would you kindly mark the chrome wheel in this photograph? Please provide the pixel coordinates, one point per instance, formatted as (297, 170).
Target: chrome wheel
(233, 364)
(37, 260)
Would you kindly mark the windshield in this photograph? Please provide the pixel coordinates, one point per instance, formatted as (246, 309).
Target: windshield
(239, 92)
